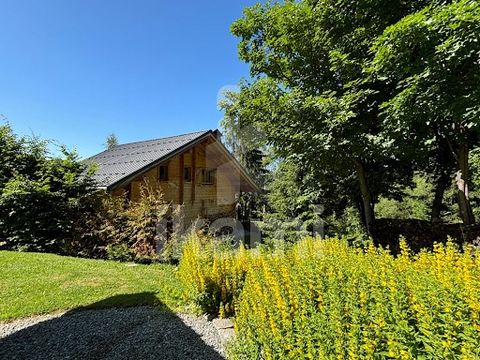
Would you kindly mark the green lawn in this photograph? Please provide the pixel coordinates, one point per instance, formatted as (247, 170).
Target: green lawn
(32, 283)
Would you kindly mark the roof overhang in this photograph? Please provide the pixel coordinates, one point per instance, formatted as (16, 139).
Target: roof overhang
(209, 135)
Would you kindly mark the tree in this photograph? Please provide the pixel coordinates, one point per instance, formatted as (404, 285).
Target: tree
(111, 141)
(311, 94)
(474, 160)
(431, 58)
(43, 198)
(18, 154)
(244, 138)
(248, 146)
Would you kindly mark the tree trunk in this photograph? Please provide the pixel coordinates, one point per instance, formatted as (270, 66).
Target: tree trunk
(368, 210)
(444, 168)
(461, 180)
(443, 180)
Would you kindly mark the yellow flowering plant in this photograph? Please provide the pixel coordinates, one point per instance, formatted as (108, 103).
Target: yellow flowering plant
(323, 300)
(213, 274)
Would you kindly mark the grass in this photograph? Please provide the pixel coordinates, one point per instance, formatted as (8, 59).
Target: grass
(33, 283)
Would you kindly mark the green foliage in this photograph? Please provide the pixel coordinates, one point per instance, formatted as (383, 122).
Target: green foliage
(347, 225)
(44, 200)
(430, 59)
(51, 204)
(363, 93)
(285, 187)
(414, 203)
(475, 180)
(324, 300)
(19, 155)
(119, 252)
(312, 98)
(111, 141)
(292, 197)
(299, 207)
(247, 144)
(130, 230)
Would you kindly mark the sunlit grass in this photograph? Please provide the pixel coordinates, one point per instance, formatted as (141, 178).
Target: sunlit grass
(33, 283)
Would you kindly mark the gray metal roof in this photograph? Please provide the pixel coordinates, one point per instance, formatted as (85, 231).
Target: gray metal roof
(124, 160)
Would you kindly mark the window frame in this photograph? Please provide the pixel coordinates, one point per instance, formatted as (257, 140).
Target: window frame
(159, 175)
(208, 176)
(187, 174)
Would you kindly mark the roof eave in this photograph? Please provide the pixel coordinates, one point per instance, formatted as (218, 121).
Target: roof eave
(127, 179)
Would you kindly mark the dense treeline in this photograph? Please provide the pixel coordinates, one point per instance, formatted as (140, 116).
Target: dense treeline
(356, 100)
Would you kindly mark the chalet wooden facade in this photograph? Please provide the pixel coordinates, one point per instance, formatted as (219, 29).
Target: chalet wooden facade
(194, 170)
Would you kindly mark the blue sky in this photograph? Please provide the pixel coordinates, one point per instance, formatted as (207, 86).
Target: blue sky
(77, 70)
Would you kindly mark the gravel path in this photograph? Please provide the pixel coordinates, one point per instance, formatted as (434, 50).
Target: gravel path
(123, 333)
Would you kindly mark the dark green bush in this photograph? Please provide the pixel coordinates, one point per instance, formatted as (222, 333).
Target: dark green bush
(45, 200)
(119, 252)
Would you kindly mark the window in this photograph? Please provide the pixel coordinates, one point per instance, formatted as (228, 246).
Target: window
(208, 176)
(187, 174)
(163, 173)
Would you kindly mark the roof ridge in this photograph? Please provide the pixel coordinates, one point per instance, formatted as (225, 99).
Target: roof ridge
(164, 138)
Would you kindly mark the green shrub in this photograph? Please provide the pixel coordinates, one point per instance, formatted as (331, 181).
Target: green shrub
(324, 300)
(45, 199)
(415, 201)
(133, 226)
(347, 225)
(119, 252)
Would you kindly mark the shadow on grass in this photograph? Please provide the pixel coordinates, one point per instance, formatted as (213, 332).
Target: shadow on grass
(103, 330)
(126, 300)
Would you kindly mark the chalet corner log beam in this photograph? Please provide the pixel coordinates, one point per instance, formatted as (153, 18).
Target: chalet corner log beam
(194, 171)
(181, 187)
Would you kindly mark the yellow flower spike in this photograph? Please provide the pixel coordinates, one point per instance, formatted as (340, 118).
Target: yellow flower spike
(327, 300)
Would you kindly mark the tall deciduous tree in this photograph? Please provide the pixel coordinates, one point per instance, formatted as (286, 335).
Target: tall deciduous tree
(432, 58)
(314, 100)
(248, 145)
(246, 141)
